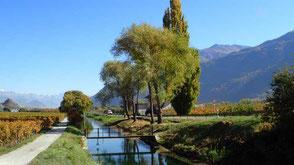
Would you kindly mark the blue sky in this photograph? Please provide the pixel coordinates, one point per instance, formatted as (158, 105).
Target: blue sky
(51, 46)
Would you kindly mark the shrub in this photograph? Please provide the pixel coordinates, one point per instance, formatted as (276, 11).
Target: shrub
(280, 107)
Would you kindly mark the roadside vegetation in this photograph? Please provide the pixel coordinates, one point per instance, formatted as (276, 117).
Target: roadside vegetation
(66, 150)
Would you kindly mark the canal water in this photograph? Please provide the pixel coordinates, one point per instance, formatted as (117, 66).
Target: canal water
(122, 151)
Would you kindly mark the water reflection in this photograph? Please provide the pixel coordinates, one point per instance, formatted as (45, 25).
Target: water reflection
(126, 151)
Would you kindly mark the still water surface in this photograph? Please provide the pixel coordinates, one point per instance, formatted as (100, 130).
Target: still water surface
(124, 151)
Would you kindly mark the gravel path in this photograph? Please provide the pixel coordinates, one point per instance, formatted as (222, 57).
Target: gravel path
(29, 151)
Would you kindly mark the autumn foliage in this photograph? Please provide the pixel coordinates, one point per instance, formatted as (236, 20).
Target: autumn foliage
(223, 108)
(228, 108)
(15, 127)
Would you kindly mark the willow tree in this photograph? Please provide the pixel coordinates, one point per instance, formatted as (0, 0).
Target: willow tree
(150, 48)
(186, 95)
(118, 79)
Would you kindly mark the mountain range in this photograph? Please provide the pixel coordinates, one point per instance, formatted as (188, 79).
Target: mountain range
(32, 100)
(247, 73)
(218, 51)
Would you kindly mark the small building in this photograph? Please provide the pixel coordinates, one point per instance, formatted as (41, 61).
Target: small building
(142, 107)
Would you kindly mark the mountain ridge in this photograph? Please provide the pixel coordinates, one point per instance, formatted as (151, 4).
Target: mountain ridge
(247, 73)
(32, 100)
(219, 51)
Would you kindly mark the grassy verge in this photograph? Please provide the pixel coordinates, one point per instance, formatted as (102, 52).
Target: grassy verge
(207, 140)
(65, 150)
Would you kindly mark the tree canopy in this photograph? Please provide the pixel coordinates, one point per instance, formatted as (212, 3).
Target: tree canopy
(280, 100)
(74, 104)
(162, 53)
(119, 79)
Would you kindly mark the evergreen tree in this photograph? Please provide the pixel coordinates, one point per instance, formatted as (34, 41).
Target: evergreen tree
(186, 95)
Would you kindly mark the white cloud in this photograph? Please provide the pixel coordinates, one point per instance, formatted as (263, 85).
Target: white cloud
(2, 90)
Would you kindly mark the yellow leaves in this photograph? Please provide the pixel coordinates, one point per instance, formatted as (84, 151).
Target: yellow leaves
(13, 131)
(17, 126)
(75, 100)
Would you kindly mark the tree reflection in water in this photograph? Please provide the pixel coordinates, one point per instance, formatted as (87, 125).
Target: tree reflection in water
(131, 151)
(131, 155)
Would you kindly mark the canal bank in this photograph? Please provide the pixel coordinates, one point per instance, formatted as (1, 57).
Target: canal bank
(128, 150)
(208, 140)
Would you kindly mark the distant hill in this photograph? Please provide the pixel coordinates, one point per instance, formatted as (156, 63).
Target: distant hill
(9, 103)
(218, 51)
(32, 100)
(247, 73)
(116, 101)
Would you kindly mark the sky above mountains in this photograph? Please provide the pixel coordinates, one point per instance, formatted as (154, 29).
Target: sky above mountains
(51, 46)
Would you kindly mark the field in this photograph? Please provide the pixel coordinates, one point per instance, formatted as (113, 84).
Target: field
(237, 108)
(15, 127)
(241, 108)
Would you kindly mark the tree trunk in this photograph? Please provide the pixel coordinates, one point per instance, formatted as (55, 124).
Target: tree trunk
(134, 110)
(151, 104)
(137, 105)
(159, 114)
(127, 108)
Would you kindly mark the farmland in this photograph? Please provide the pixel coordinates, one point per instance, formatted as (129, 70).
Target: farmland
(225, 108)
(16, 127)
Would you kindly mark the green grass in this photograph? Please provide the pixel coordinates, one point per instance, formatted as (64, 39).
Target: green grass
(66, 150)
(4, 150)
(208, 140)
(107, 120)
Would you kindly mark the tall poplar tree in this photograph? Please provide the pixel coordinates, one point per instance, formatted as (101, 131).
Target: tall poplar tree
(174, 19)
(186, 95)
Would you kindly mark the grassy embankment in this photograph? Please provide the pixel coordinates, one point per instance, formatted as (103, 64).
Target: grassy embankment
(68, 149)
(207, 140)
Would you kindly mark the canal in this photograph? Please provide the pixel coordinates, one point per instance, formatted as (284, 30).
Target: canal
(119, 151)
